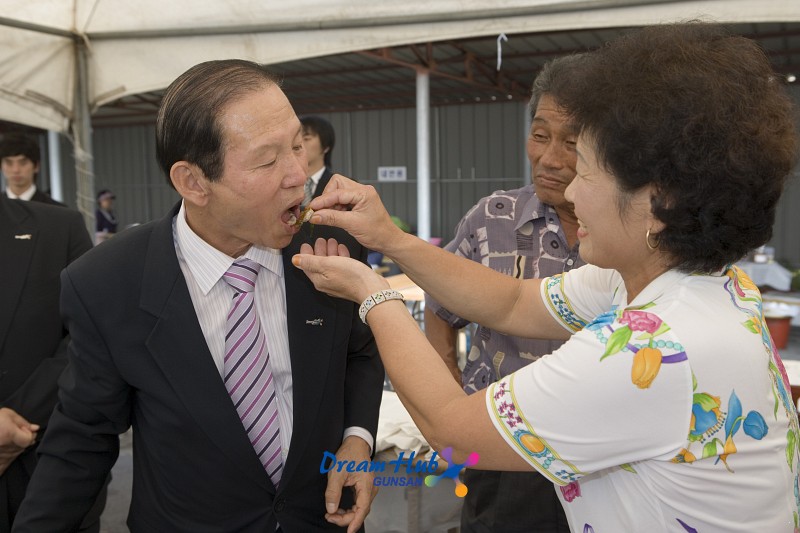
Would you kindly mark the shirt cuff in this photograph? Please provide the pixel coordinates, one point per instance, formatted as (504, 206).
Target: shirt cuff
(360, 432)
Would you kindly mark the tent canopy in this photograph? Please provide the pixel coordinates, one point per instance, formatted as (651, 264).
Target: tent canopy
(56, 55)
(62, 59)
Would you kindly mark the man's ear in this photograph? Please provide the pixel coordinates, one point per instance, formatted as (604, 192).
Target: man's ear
(190, 182)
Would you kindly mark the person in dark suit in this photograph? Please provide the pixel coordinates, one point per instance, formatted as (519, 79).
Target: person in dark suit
(37, 242)
(147, 313)
(318, 141)
(20, 163)
(105, 221)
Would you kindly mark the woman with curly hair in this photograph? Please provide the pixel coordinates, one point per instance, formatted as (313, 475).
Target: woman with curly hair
(667, 409)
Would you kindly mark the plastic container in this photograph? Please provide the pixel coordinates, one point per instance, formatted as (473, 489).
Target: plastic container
(779, 328)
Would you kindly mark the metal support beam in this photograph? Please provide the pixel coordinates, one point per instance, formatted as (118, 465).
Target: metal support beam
(54, 160)
(423, 156)
(467, 78)
(82, 139)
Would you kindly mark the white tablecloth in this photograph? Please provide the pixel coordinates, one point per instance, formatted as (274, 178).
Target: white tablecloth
(396, 429)
(783, 299)
(410, 509)
(768, 274)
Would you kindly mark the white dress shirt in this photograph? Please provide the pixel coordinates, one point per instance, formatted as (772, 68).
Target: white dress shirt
(203, 266)
(28, 194)
(315, 177)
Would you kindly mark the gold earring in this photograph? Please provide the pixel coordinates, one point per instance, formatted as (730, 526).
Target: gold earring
(647, 240)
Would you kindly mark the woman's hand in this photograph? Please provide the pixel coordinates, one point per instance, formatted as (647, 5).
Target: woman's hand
(358, 210)
(329, 267)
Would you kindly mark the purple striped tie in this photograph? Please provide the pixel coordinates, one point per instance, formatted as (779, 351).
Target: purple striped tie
(248, 374)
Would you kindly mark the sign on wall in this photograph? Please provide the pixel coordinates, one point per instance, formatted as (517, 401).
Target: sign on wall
(391, 173)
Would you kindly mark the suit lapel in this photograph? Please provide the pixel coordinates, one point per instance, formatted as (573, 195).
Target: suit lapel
(323, 182)
(179, 348)
(18, 234)
(311, 323)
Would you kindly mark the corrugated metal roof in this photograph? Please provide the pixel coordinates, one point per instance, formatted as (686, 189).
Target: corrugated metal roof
(462, 71)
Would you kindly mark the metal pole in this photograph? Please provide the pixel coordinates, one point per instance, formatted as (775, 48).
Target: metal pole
(54, 155)
(527, 177)
(423, 156)
(82, 137)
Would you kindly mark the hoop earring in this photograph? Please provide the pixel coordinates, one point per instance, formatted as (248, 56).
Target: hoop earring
(647, 240)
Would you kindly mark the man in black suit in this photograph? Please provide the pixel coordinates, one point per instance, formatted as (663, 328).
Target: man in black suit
(36, 242)
(318, 140)
(20, 163)
(147, 314)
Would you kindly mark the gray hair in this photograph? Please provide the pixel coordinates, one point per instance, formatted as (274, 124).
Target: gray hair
(555, 74)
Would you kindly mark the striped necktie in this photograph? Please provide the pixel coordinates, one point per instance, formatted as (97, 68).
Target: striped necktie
(308, 190)
(247, 371)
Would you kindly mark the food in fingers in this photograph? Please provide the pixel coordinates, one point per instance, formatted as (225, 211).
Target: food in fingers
(304, 216)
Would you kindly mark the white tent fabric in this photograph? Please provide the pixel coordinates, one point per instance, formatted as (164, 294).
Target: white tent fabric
(139, 46)
(61, 58)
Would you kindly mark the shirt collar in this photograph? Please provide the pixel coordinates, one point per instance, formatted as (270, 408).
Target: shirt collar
(315, 177)
(27, 195)
(533, 208)
(536, 209)
(656, 288)
(207, 264)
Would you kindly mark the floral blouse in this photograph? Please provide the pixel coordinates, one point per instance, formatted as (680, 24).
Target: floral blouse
(671, 413)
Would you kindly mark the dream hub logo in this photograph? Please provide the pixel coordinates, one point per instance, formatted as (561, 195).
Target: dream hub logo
(453, 470)
(411, 472)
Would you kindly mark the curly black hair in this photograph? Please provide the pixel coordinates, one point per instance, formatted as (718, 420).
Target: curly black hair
(698, 113)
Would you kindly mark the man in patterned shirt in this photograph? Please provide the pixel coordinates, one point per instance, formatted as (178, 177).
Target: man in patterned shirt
(525, 233)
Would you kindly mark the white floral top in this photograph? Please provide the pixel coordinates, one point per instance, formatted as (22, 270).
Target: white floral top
(672, 413)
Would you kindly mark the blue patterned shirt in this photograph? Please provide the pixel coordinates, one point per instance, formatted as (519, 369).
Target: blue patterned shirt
(514, 233)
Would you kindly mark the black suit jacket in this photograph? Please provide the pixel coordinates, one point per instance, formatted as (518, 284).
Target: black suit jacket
(36, 242)
(45, 198)
(138, 356)
(41, 197)
(323, 182)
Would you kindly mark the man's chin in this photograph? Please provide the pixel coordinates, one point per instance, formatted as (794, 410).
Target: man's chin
(281, 242)
(550, 196)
